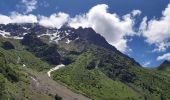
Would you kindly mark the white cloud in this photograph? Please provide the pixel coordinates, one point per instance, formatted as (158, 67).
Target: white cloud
(4, 19)
(146, 64)
(164, 57)
(55, 20)
(18, 18)
(109, 25)
(29, 5)
(157, 31)
(136, 12)
(162, 46)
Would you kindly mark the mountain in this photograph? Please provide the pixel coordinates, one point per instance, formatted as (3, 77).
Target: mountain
(165, 66)
(93, 68)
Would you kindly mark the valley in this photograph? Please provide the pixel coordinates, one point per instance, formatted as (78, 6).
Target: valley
(42, 64)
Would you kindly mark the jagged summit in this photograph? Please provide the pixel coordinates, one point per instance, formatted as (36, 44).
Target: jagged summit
(166, 62)
(65, 35)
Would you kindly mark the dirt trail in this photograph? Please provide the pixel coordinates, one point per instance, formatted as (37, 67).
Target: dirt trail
(42, 85)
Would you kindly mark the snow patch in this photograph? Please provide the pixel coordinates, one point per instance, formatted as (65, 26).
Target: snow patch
(68, 41)
(67, 33)
(4, 34)
(8, 35)
(54, 69)
(25, 28)
(15, 37)
(23, 65)
(77, 38)
(24, 34)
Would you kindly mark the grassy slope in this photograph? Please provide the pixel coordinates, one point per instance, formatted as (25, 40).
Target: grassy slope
(153, 84)
(144, 84)
(148, 84)
(13, 81)
(23, 89)
(26, 57)
(20, 89)
(93, 82)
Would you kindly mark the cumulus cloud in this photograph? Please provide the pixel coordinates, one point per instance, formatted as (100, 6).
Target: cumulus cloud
(18, 18)
(114, 28)
(164, 57)
(157, 31)
(109, 25)
(55, 20)
(136, 12)
(4, 19)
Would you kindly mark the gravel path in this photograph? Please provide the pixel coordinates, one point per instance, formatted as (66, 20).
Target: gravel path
(42, 85)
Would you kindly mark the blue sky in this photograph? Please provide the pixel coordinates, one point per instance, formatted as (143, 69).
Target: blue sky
(140, 47)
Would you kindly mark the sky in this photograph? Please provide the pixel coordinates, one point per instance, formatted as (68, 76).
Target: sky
(138, 28)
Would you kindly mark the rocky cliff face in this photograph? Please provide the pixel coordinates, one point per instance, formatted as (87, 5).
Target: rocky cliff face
(63, 36)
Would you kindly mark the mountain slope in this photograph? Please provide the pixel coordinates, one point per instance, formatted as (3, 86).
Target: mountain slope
(82, 76)
(13, 81)
(84, 72)
(93, 67)
(116, 66)
(165, 66)
(24, 76)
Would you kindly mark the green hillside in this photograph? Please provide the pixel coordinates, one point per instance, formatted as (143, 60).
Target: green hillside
(165, 66)
(96, 70)
(91, 69)
(80, 77)
(20, 55)
(14, 80)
